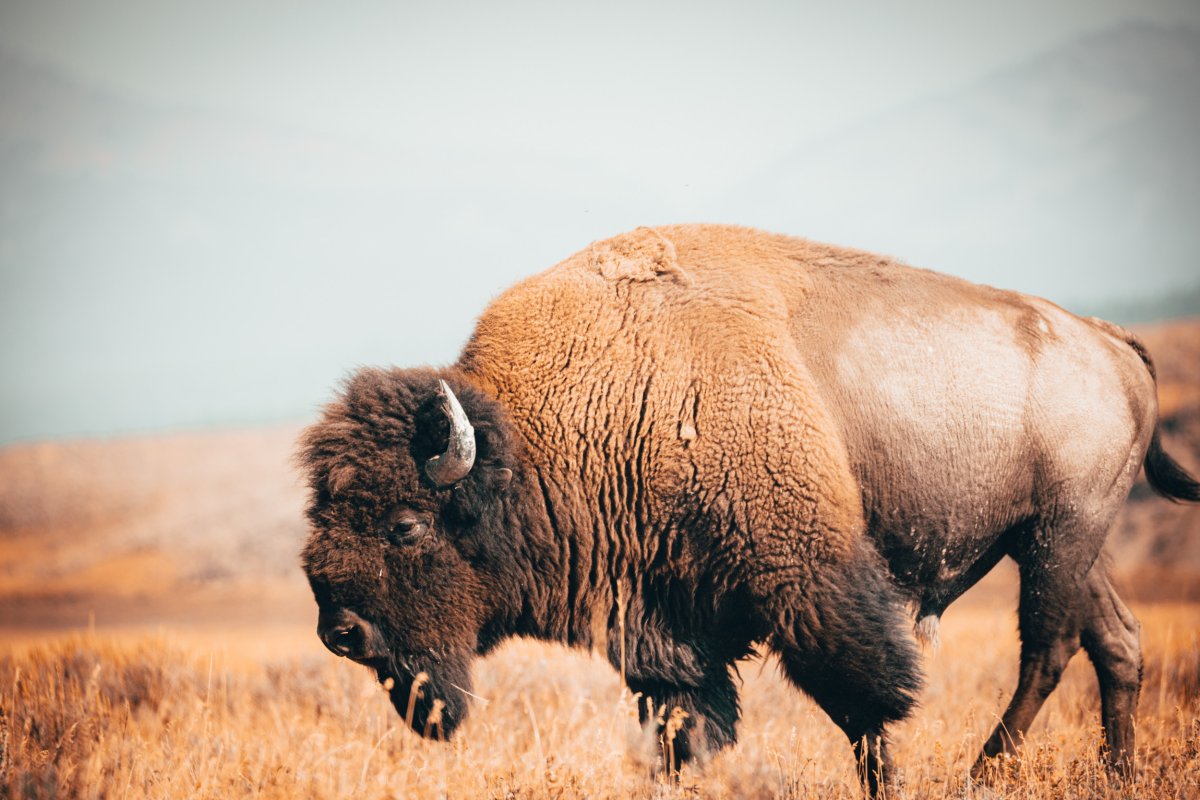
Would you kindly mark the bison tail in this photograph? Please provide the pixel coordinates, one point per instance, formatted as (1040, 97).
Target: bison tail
(1166, 476)
(1164, 473)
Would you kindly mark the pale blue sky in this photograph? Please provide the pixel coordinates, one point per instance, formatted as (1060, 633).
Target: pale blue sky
(697, 93)
(214, 210)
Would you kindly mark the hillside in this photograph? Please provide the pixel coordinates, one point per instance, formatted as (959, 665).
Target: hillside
(1081, 161)
(137, 531)
(1155, 541)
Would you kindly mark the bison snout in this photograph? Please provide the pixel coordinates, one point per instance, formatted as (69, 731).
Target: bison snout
(347, 634)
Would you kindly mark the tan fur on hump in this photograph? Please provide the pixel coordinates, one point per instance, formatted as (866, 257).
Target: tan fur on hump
(669, 349)
(642, 255)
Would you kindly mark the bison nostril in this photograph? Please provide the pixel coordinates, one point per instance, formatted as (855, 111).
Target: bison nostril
(347, 634)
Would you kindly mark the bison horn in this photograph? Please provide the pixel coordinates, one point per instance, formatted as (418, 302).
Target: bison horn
(453, 465)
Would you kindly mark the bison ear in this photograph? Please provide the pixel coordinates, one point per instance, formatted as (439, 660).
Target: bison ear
(496, 477)
(493, 450)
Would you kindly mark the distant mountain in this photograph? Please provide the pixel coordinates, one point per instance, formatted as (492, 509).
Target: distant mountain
(1181, 304)
(171, 266)
(1077, 173)
(149, 256)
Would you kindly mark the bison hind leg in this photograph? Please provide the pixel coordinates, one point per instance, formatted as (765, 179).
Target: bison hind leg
(1060, 610)
(1111, 638)
(843, 638)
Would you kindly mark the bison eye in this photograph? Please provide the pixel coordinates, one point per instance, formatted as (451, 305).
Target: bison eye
(406, 530)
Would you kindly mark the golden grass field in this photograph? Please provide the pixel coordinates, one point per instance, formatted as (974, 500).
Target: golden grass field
(157, 640)
(201, 715)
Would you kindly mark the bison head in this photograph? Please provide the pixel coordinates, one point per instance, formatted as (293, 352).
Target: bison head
(408, 557)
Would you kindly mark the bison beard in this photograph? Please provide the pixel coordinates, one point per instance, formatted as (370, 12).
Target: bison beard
(683, 442)
(415, 691)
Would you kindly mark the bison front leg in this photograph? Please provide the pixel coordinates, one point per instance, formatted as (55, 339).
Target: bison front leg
(843, 639)
(690, 721)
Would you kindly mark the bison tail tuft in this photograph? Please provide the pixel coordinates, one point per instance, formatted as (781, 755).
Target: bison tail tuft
(1167, 477)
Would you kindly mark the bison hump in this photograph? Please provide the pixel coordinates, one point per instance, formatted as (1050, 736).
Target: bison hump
(641, 255)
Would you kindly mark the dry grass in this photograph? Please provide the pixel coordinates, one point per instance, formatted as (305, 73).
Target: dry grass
(152, 716)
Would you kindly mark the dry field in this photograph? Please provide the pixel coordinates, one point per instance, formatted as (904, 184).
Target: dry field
(156, 639)
(195, 716)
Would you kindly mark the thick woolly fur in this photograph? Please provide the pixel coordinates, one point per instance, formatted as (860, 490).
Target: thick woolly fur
(719, 437)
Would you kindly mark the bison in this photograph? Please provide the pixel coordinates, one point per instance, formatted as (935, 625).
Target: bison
(684, 442)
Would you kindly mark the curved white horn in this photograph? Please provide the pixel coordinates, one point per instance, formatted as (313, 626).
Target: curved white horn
(453, 465)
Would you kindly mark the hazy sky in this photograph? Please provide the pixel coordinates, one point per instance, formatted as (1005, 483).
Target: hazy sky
(697, 93)
(217, 209)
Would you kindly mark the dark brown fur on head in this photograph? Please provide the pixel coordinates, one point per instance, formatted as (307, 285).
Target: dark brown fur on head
(434, 597)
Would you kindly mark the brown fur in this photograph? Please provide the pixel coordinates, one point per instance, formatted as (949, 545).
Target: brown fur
(729, 436)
